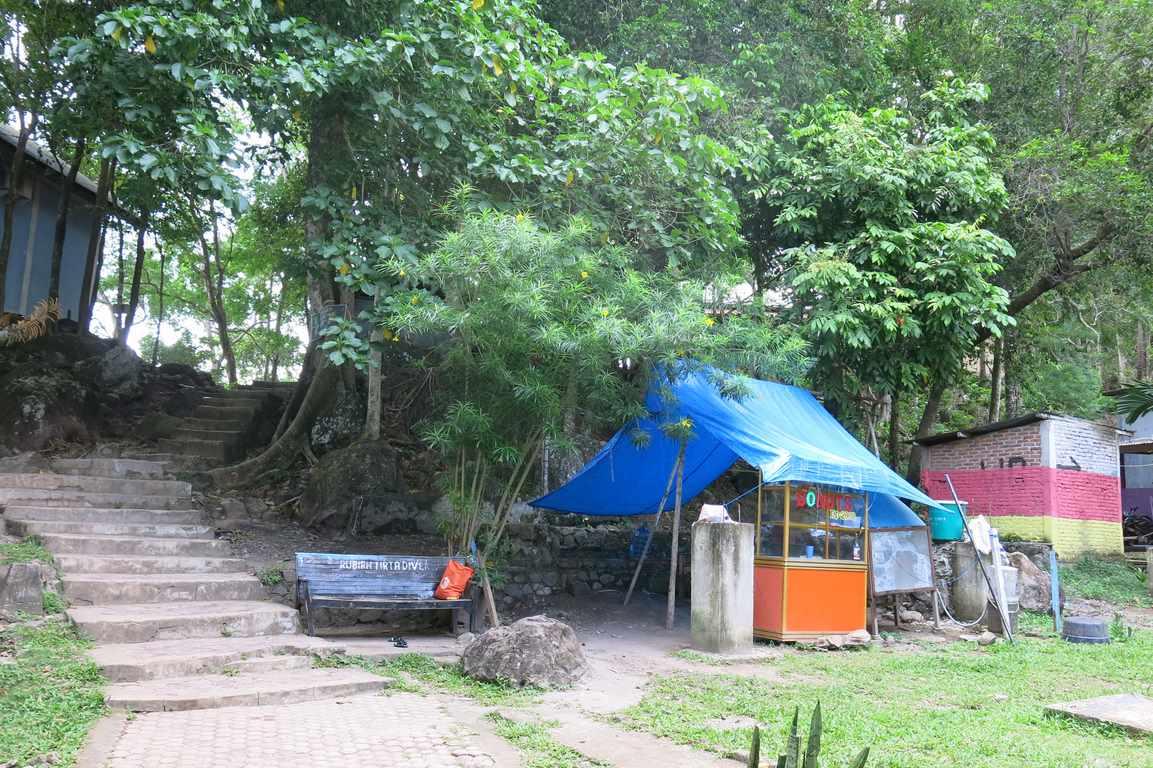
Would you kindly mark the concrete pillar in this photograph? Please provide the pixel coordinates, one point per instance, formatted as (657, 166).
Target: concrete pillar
(722, 587)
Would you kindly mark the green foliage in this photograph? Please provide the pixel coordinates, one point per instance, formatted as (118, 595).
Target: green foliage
(53, 603)
(1112, 580)
(910, 704)
(792, 757)
(1135, 400)
(24, 551)
(50, 692)
(271, 576)
(881, 214)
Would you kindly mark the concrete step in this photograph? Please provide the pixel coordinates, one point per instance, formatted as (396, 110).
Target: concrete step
(37, 497)
(274, 385)
(148, 564)
(130, 662)
(235, 395)
(219, 450)
(233, 412)
(122, 468)
(249, 401)
(268, 664)
(95, 484)
(161, 530)
(111, 515)
(220, 425)
(87, 544)
(213, 691)
(211, 435)
(108, 588)
(144, 622)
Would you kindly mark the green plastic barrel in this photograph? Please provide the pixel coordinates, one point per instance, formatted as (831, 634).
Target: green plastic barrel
(945, 524)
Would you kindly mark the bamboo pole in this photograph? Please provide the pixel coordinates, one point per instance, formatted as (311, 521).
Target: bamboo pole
(670, 611)
(656, 525)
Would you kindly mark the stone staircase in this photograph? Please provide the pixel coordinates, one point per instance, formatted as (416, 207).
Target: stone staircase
(177, 622)
(220, 428)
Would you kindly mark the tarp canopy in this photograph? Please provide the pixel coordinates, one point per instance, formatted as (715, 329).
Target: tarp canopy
(781, 430)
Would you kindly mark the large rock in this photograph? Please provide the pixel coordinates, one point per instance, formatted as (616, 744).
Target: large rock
(116, 372)
(536, 651)
(1032, 583)
(42, 405)
(22, 588)
(358, 490)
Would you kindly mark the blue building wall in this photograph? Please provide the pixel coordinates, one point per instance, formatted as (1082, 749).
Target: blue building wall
(30, 261)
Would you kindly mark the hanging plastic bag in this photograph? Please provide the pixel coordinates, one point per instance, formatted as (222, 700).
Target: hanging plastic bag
(454, 582)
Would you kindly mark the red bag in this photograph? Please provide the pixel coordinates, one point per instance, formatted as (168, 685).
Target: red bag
(454, 581)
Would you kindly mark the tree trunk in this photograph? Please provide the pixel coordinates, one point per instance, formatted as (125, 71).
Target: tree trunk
(62, 210)
(317, 399)
(924, 429)
(997, 381)
(1012, 377)
(137, 274)
(160, 313)
(15, 180)
(372, 411)
(93, 259)
(1141, 359)
(118, 306)
(671, 607)
(274, 374)
(895, 431)
(212, 275)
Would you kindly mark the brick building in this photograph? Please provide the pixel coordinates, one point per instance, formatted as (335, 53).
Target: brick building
(1042, 477)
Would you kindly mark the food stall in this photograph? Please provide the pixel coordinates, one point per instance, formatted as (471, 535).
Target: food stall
(811, 566)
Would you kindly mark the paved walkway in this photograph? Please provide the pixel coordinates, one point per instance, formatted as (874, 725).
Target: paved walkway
(398, 730)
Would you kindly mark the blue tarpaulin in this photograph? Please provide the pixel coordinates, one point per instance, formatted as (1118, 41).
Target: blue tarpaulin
(781, 430)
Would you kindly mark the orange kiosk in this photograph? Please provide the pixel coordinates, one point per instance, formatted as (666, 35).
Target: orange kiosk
(811, 568)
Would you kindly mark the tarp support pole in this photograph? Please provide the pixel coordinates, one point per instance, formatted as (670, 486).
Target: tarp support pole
(671, 610)
(653, 532)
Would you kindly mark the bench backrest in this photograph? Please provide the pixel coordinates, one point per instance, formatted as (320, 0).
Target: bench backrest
(370, 575)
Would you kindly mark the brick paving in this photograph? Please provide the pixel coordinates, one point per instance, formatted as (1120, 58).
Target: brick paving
(400, 729)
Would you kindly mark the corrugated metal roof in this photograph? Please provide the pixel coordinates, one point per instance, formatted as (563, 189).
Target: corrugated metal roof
(34, 150)
(997, 426)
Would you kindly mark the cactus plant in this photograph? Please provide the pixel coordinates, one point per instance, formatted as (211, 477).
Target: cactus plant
(792, 756)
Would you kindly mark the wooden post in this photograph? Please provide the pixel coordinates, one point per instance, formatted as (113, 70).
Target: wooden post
(1149, 570)
(671, 610)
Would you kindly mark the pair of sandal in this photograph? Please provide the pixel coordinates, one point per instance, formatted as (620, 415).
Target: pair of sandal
(398, 641)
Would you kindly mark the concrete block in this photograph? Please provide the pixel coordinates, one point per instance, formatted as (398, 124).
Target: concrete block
(722, 587)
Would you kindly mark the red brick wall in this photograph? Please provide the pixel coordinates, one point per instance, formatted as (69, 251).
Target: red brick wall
(1031, 492)
(995, 449)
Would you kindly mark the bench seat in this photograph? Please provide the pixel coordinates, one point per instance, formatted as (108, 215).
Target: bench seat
(375, 582)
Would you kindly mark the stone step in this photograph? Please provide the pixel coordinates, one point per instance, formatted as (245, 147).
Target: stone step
(95, 484)
(220, 425)
(234, 412)
(248, 401)
(36, 497)
(211, 435)
(108, 588)
(220, 450)
(148, 564)
(213, 691)
(260, 384)
(161, 530)
(87, 544)
(144, 622)
(267, 664)
(111, 515)
(122, 468)
(237, 395)
(130, 662)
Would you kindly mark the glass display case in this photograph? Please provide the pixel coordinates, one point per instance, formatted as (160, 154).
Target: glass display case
(811, 569)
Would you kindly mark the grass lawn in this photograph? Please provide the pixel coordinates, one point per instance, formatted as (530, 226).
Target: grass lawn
(957, 705)
(23, 551)
(50, 693)
(1111, 580)
(538, 746)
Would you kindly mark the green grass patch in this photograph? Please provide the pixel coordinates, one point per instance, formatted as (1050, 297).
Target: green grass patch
(23, 551)
(540, 750)
(1112, 580)
(270, 577)
(444, 677)
(50, 693)
(956, 705)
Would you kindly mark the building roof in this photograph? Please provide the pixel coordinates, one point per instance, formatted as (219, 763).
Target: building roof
(11, 135)
(997, 426)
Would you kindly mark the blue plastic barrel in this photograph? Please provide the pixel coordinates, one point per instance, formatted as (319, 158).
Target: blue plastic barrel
(945, 524)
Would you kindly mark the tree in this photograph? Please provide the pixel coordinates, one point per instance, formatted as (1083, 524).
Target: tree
(544, 330)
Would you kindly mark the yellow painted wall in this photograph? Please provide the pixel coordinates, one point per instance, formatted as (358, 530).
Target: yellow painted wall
(1070, 538)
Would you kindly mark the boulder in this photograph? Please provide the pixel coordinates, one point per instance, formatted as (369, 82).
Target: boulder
(358, 490)
(116, 372)
(535, 651)
(1032, 583)
(42, 405)
(22, 588)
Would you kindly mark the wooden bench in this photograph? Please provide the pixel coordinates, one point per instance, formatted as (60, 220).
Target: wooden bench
(375, 582)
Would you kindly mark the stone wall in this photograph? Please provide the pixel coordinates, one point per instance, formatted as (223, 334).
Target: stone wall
(542, 559)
